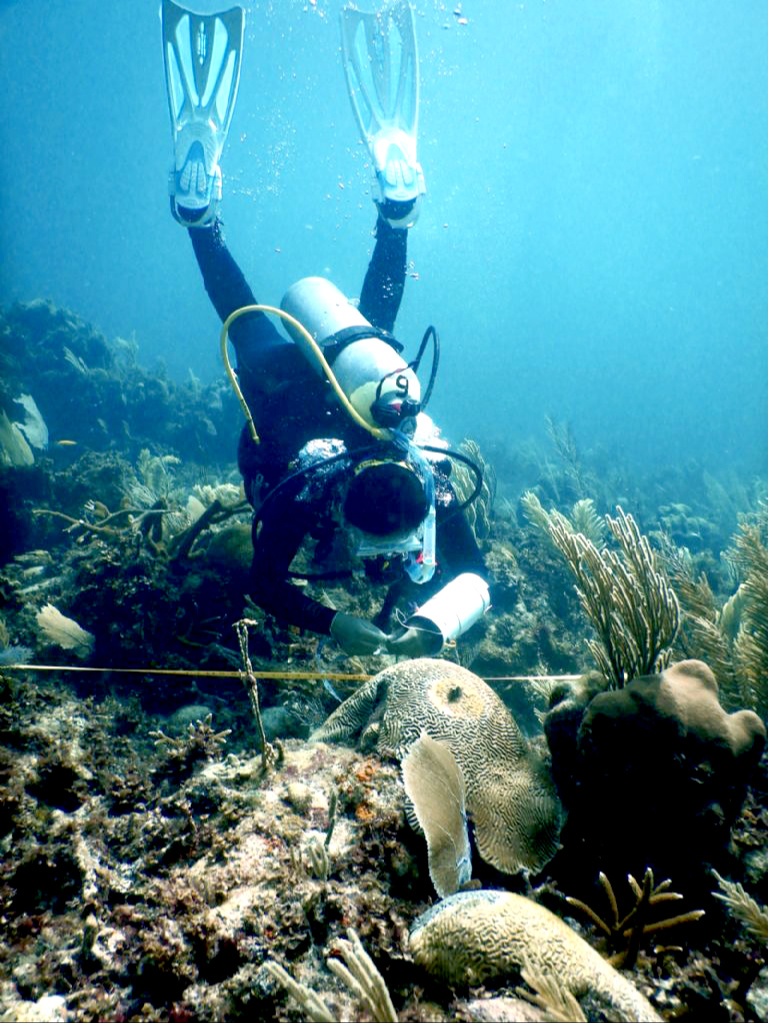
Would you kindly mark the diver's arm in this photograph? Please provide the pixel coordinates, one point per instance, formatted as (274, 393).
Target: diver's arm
(283, 527)
(458, 547)
(385, 278)
(282, 531)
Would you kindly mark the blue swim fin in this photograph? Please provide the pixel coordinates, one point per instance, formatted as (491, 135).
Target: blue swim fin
(202, 55)
(381, 64)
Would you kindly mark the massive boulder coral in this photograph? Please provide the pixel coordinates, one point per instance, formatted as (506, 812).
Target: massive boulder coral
(478, 937)
(653, 774)
(509, 792)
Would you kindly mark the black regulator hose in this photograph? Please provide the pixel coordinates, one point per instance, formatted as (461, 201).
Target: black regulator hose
(430, 332)
(472, 466)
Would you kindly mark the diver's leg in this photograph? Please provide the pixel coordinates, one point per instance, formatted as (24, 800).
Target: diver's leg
(385, 278)
(264, 357)
(228, 290)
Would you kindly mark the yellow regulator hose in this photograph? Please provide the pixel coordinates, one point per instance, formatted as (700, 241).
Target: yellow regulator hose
(316, 350)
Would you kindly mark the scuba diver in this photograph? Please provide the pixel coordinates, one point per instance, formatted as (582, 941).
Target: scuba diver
(337, 447)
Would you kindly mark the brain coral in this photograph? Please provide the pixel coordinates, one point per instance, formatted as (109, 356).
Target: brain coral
(474, 937)
(510, 796)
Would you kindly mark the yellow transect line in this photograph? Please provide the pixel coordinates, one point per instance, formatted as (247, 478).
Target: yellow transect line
(198, 674)
(334, 675)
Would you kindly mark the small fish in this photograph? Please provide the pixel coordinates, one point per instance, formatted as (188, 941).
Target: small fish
(66, 443)
(330, 690)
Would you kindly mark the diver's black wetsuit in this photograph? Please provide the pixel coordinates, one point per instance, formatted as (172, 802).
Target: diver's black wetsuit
(292, 404)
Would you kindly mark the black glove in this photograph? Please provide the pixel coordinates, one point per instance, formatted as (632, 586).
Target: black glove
(356, 635)
(414, 643)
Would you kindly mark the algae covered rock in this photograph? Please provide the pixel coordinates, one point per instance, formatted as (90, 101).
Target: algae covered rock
(509, 792)
(683, 700)
(653, 774)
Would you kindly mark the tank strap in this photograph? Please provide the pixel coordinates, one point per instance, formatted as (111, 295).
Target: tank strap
(334, 344)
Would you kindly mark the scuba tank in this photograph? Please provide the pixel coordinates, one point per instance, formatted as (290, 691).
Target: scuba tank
(365, 361)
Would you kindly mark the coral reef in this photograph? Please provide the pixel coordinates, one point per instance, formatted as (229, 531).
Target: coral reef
(156, 865)
(67, 366)
(627, 597)
(733, 637)
(434, 784)
(744, 907)
(167, 879)
(463, 480)
(626, 933)
(358, 972)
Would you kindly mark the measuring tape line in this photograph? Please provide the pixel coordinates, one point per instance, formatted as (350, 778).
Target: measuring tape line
(331, 675)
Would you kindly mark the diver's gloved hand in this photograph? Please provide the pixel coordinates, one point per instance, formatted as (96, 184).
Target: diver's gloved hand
(411, 643)
(356, 635)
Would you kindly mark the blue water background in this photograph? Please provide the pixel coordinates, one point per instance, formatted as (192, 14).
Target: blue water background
(593, 241)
